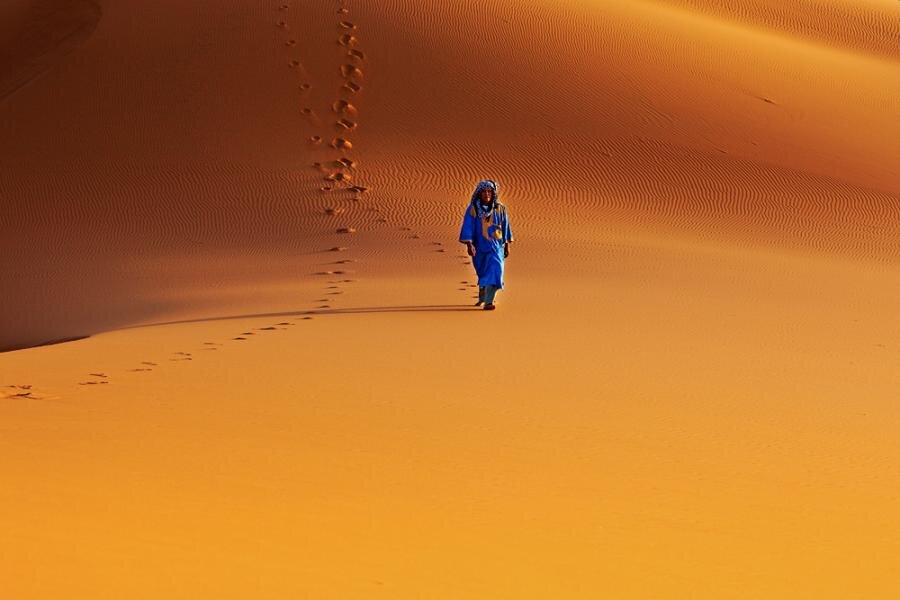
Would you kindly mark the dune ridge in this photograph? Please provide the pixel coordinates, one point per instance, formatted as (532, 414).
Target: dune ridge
(870, 26)
(37, 35)
(712, 132)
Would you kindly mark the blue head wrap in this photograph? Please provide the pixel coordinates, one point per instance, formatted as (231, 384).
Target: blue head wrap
(486, 184)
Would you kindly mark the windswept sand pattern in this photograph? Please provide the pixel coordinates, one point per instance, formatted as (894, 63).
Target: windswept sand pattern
(870, 26)
(711, 197)
(698, 126)
(647, 150)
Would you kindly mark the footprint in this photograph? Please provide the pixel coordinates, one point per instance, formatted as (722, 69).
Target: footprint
(315, 140)
(103, 379)
(348, 25)
(348, 40)
(341, 144)
(18, 391)
(290, 42)
(304, 86)
(339, 176)
(294, 64)
(350, 70)
(345, 230)
(283, 7)
(307, 318)
(342, 107)
(140, 369)
(268, 329)
(351, 87)
(308, 112)
(239, 338)
(334, 210)
(282, 24)
(357, 54)
(326, 188)
(342, 11)
(183, 353)
(358, 189)
(345, 124)
(147, 362)
(350, 164)
(338, 249)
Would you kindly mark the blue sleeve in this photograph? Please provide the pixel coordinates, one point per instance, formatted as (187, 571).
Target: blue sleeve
(507, 231)
(467, 233)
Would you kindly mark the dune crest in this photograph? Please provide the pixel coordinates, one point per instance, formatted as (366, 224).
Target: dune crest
(36, 35)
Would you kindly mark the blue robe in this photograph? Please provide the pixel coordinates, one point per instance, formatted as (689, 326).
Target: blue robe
(488, 235)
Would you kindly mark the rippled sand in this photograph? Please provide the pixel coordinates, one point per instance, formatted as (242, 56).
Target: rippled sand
(250, 213)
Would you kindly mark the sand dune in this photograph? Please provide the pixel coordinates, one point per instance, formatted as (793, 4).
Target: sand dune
(868, 26)
(252, 211)
(645, 115)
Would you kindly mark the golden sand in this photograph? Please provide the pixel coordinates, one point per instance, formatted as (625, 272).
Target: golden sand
(689, 388)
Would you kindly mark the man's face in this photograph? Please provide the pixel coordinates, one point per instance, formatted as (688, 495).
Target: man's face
(486, 196)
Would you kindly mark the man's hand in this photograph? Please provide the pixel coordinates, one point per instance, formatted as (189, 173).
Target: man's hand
(506, 250)
(470, 248)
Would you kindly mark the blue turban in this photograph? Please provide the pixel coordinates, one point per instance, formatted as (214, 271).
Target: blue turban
(486, 184)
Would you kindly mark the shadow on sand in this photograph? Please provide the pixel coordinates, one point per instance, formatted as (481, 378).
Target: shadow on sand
(325, 311)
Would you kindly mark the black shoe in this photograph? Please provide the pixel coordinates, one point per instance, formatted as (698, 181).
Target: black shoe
(489, 307)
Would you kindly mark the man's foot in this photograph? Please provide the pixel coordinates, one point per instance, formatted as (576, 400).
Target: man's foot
(479, 303)
(489, 307)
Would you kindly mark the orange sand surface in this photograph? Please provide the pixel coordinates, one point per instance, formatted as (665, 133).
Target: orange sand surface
(689, 388)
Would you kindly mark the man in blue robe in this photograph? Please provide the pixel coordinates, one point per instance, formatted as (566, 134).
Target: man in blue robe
(486, 234)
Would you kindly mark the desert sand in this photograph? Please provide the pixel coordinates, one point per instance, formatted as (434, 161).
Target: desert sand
(244, 218)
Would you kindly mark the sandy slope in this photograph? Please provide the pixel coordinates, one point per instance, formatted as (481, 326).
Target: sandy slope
(188, 141)
(688, 390)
